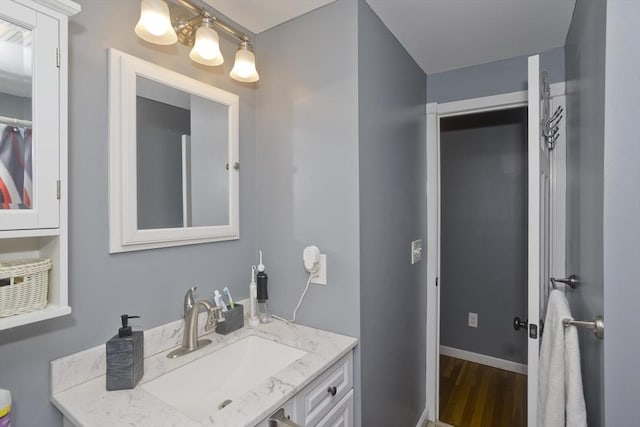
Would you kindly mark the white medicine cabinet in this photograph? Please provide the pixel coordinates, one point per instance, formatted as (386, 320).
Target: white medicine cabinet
(173, 158)
(33, 143)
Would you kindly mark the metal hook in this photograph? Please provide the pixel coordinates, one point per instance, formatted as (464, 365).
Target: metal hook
(553, 123)
(556, 114)
(570, 281)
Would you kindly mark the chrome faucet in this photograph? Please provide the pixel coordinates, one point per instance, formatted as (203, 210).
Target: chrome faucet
(190, 341)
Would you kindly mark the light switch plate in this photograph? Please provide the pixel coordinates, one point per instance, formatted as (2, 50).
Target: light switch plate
(321, 278)
(416, 251)
(473, 320)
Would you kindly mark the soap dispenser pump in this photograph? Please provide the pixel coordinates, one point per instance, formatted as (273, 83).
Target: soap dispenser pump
(125, 357)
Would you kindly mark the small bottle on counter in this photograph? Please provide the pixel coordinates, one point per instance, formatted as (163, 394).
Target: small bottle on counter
(5, 408)
(264, 316)
(125, 357)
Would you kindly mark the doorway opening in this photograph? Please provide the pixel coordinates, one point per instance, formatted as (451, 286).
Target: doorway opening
(546, 221)
(483, 268)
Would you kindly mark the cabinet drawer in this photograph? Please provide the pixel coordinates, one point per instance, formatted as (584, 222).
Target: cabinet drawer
(341, 415)
(319, 397)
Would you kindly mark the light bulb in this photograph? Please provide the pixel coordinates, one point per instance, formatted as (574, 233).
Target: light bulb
(206, 49)
(154, 25)
(244, 69)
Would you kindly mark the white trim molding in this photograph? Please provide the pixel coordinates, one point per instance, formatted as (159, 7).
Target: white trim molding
(433, 261)
(66, 7)
(422, 421)
(483, 359)
(502, 101)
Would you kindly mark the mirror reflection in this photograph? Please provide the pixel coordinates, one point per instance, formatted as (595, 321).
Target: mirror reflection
(16, 145)
(182, 154)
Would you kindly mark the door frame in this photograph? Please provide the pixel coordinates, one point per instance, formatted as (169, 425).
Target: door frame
(435, 112)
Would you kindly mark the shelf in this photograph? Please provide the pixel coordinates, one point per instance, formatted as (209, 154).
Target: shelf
(40, 232)
(49, 312)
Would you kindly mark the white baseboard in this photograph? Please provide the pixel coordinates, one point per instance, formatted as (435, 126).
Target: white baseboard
(482, 359)
(423, 418)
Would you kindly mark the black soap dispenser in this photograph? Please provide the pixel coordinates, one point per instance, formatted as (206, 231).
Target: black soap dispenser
(125, 357)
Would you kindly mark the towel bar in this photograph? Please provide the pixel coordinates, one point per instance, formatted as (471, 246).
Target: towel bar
(596, 324)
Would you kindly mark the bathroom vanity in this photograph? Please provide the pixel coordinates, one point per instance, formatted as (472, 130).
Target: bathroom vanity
(241, 379)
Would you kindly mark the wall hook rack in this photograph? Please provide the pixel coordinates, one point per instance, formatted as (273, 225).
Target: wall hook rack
(550, 123)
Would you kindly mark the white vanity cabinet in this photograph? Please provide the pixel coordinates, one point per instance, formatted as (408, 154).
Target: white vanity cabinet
(327, 401)
(303, 390)
(317, 399)
(341, 415)
(33, 142)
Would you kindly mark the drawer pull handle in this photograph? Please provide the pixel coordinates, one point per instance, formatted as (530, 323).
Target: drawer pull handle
(332, 391)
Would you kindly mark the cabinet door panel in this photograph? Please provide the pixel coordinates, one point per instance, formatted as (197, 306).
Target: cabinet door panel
(317, 399)
(29, 119)
(341, 415)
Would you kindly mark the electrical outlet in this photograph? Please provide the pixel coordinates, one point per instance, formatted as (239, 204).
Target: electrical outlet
(416, 251)
(473, 320)
(321, 278)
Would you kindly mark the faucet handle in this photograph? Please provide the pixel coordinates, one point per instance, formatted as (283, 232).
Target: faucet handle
(214, 316)
(189, 301)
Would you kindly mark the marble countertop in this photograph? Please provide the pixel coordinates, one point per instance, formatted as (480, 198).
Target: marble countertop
(78, 381)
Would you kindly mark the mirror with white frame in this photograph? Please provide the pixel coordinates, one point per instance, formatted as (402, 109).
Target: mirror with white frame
(173, 158)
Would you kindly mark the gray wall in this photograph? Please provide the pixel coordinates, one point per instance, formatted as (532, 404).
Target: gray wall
(483, 161)
(585, 68)
(102, 286)
(392, 214)
(160, 128)
(621, 214)
(508, 75)
(307, 165)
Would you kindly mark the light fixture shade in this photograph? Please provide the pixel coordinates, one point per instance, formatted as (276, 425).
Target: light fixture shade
(206, 50)
(154, 25)
(244, 69)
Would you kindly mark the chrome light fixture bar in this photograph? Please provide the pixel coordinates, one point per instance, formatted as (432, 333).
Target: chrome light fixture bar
(194, 26)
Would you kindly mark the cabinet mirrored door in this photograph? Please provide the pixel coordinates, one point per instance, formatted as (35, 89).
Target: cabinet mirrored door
(29, 119)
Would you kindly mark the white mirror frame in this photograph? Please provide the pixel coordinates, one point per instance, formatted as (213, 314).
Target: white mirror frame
(124, 234)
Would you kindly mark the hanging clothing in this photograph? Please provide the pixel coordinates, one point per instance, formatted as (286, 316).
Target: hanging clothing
(16, 167)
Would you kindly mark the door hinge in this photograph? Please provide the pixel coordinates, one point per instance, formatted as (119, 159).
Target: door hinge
(58, 189)
(58, 55)
(437, 282)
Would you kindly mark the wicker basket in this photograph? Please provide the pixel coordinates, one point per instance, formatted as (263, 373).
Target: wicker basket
(27, 288)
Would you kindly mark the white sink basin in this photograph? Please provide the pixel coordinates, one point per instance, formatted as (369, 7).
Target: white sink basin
(199, 388)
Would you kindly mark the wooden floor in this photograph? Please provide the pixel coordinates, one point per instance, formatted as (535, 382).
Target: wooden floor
(473, 395)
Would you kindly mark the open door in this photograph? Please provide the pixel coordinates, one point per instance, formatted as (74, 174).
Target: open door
(538, 234)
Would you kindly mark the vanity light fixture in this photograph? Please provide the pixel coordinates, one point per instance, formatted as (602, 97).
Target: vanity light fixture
(154, 25)
(244, 69)
(192, 25)
(206, 49)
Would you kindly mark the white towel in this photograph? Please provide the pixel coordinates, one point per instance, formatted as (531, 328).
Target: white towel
(560, 393)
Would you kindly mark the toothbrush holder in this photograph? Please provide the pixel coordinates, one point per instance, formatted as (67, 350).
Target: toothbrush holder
(233, 320)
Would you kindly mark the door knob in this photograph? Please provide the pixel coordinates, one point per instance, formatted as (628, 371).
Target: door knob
(519, 324)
